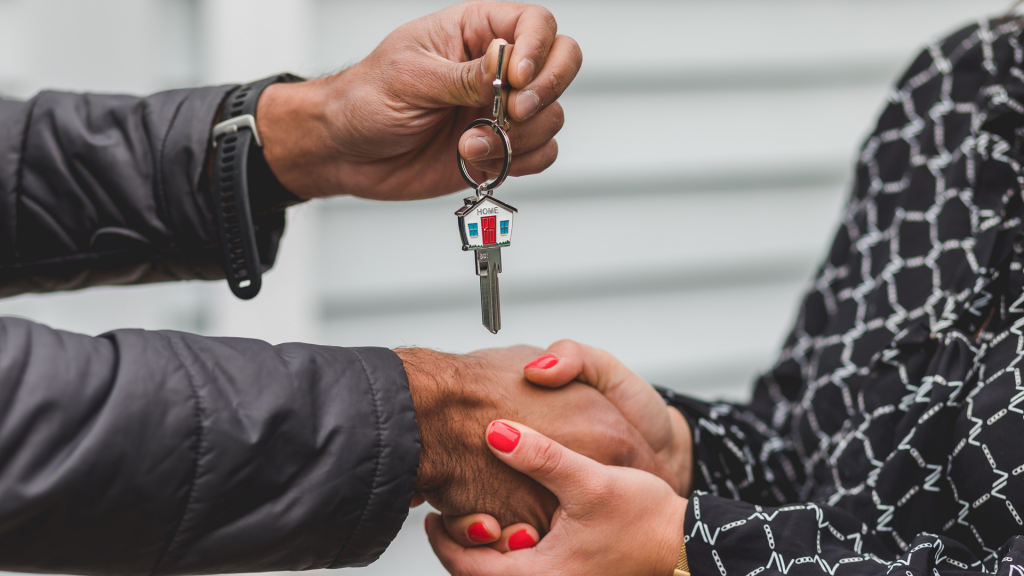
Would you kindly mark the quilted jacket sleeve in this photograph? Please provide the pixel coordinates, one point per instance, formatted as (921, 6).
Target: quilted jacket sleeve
(146, 453)
(103, 189)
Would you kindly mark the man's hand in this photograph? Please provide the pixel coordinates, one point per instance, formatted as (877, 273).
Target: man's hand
(388, 127)
(612, 521)
(456, 396)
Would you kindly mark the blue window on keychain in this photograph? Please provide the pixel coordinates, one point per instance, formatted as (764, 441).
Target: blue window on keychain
(472, 230)
(504, 226)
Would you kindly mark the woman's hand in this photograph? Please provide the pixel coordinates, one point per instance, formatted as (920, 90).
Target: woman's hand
(663, 427)
(455, 396)
(388, 127)
(610, 520)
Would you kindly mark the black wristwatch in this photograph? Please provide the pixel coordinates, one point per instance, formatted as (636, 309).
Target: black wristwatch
(243, 186)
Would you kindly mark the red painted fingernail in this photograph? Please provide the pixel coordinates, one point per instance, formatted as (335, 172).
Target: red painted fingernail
(520, 540)
(478, 533)
(544, 362)
(503, 437)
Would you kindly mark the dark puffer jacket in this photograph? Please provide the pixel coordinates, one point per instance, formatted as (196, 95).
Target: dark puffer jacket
(140, 452)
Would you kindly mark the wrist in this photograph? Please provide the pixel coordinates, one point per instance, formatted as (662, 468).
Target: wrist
(292, 121)
(682, 451)
(430, 375)
(675, 536)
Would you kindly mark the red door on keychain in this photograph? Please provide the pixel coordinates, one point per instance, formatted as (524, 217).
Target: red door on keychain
(489, 224)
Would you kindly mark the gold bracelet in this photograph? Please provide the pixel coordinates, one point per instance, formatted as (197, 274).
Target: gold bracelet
(682, 566)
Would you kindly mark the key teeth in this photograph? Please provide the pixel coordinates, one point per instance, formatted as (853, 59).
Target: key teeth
(488, 265)
(489, 302)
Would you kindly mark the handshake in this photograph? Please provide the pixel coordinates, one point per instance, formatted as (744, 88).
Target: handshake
(388, 129)
(515, 455)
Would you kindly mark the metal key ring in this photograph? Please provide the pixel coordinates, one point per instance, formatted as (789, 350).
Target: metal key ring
(505, 168)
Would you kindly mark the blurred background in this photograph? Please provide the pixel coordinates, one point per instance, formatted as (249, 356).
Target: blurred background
(708, 143)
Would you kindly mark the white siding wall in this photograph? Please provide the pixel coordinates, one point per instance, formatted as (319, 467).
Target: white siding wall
(710, 142)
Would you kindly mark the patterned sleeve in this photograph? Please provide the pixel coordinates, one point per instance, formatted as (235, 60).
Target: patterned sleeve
(886, 436)
(737, 538)
(737, 454)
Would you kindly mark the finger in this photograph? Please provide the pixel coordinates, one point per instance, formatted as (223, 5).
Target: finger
(550, 82)
(482, 143)
(466, 83)
(637, 400)
(472, 529)
(568, 475)
(516, 537)
(479, 561)
(534, 35)
(643, 457)
(524, 164)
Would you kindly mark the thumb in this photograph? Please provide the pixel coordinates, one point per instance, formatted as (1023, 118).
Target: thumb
(470, 83)
(637, 400)
(565, 473)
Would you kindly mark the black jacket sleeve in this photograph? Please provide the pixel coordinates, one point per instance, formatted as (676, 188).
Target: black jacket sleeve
(102, 189)
(142, 452)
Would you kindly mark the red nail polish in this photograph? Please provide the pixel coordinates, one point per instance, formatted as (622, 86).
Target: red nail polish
(544, 362)
(503, 437)
(478, 533)
(520, 540)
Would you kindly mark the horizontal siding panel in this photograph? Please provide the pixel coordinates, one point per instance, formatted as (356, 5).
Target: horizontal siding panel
(692, 36)
(686, 340)
(715, 33)
(392, 250)
(175, 306)
(699, 131)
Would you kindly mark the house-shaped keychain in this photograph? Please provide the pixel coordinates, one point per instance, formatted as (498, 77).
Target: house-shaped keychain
(485, 222)
(485, 225)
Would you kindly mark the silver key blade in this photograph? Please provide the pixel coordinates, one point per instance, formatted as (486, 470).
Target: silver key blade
(490, 305)
(488, 265)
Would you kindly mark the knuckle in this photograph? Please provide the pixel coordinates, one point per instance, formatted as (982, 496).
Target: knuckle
(621, 451)
(611, 488)
(464, 83)
(550, 154)
(557, 116)
(546, 459)
(575, 52)
(565, 344)
(547, 20)
(516, 140)
(490, 167)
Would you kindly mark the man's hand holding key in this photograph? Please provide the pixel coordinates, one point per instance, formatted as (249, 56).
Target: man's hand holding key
(388, 127)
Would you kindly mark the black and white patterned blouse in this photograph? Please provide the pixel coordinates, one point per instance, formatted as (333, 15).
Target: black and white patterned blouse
(889, 436)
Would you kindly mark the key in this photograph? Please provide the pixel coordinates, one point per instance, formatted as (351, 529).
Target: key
(488, 266)
(485, 223)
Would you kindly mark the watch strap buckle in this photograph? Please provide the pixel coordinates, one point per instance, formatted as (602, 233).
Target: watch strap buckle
(232, 125)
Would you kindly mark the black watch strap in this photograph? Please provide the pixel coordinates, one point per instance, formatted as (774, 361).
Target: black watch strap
(243, 186)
